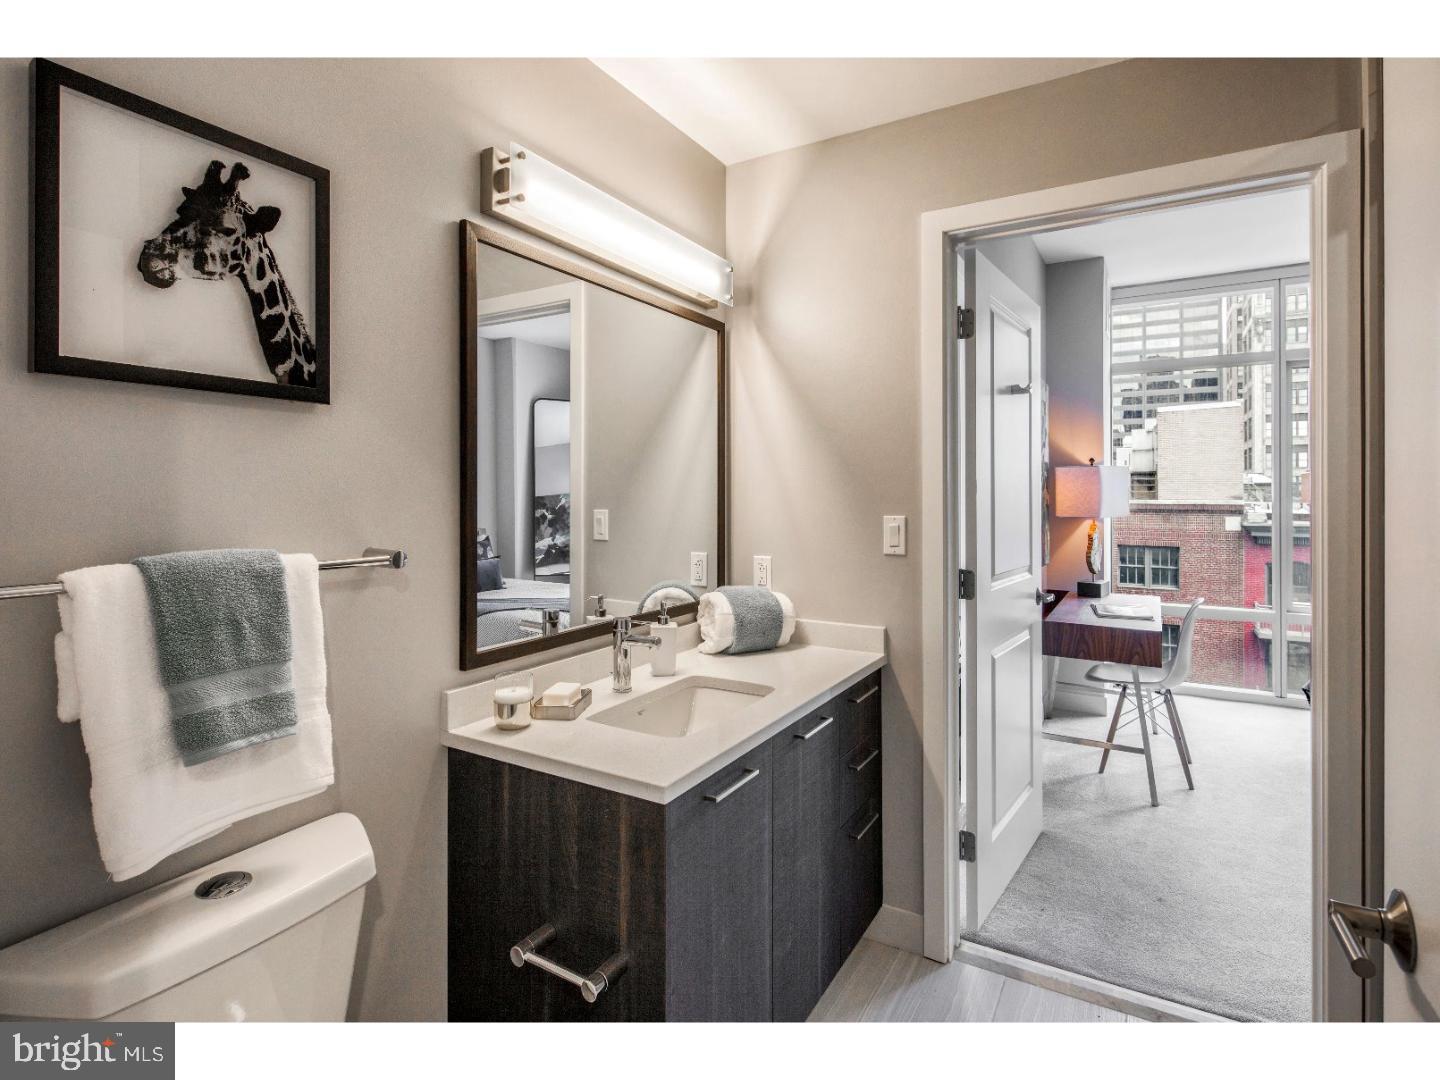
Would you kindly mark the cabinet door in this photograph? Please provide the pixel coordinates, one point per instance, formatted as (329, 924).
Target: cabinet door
(806, 798)
(528, 849)
(717, 897)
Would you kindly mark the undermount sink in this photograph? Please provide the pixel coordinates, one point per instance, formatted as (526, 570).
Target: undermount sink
(683, 706)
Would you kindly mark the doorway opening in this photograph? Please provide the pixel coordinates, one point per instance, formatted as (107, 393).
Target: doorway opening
(1176, 353)
(1145, 794)
(528, 585)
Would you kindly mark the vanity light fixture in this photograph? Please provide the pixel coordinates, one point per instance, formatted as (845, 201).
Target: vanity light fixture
(540, 197)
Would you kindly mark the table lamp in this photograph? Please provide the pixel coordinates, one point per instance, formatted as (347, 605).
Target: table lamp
(1095, 492)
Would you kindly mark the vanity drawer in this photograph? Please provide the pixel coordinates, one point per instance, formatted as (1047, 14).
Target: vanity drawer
(859, 710)
(860, 776)
(857, 859)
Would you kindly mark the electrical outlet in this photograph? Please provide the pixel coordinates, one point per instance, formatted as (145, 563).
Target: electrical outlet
(762, 571)
(601, 530)
(699, 568)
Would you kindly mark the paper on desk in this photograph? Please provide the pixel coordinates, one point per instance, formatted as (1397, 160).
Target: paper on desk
(1120, 611)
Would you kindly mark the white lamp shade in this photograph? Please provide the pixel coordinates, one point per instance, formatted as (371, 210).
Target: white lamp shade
(1092, 491)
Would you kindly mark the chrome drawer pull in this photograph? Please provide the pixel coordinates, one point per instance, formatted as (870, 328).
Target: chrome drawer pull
(527, 951)
(824, 723)
(871, 756)
(869, 823)
(750, 774)
(866, 696)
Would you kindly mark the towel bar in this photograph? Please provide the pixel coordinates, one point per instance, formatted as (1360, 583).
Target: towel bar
(392, 558)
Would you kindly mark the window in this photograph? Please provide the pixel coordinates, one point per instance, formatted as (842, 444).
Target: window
(1169, 643)
(1299, 574)
(1211, 402)
(1148, 567)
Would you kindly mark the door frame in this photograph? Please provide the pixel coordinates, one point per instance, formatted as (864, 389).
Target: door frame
(517, 306)
(1343, 380)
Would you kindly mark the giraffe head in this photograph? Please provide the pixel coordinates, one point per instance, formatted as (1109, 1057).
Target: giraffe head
(211, 232)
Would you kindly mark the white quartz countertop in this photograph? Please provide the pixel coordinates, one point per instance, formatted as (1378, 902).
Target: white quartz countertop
(804, 675)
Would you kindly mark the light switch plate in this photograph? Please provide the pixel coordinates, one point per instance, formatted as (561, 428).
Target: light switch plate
(893, 534)
(699, 568)
(762, 571)
(601, 530)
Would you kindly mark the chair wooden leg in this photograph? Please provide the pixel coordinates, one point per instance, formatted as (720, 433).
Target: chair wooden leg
(1145, 738)
(1179, 727)
(1114, 724)
(1180, 747)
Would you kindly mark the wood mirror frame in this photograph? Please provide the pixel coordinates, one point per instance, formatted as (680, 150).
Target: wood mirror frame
(473, 234)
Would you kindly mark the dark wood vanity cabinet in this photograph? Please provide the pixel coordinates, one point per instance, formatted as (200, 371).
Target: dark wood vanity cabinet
(825, 844)
(737, 900)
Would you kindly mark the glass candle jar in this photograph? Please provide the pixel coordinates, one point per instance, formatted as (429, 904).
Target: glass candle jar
(513, 693)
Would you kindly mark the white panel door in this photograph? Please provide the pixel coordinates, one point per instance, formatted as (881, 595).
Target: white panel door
(1001, 753)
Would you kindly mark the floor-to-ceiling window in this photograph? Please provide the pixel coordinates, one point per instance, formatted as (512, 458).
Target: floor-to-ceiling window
(1210, 409)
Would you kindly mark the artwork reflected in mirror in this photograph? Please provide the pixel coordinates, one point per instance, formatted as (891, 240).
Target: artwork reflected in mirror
(550, 425)
(596, 467)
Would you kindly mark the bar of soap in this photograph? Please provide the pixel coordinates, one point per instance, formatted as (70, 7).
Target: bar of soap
(562, 693)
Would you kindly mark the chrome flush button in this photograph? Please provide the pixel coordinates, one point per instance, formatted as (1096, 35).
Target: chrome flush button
(223, 885)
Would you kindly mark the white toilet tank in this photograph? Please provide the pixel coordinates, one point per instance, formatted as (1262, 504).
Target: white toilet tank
(278, 947)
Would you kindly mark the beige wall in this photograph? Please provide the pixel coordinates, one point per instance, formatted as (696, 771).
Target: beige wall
(824, 338)
(96, 472)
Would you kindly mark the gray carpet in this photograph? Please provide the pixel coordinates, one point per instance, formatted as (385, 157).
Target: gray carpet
(1204, 900)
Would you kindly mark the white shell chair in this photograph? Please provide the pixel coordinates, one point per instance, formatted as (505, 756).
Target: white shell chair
(1161, 680)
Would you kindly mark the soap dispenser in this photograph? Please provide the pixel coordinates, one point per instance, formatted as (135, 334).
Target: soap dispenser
(668, 633)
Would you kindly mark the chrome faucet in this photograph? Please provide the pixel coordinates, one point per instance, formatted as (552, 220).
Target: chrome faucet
(625, 639)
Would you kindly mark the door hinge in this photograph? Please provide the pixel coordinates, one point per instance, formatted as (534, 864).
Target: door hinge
(964, 323)
(967, 847)
(967, 584)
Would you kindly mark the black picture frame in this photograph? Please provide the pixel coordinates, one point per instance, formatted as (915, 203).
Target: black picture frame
(48, 79)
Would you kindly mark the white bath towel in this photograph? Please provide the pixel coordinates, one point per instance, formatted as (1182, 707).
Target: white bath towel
(717, 622)
(672, 596)
(146, 803)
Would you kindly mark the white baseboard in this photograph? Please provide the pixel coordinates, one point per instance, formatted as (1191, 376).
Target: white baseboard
(1084, 700)
(898, 928)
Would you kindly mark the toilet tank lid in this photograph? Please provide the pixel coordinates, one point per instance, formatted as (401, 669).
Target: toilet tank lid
(109, 959)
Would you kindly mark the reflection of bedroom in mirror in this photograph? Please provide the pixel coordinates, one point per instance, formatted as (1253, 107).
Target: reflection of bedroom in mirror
(593, 450)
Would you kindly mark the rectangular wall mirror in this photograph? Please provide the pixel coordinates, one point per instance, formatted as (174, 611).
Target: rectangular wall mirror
(592, 450)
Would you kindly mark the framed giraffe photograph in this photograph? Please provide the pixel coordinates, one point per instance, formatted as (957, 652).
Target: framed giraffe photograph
(169, 251)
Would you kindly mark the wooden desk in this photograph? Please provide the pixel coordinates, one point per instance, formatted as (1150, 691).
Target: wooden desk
(1073, 630)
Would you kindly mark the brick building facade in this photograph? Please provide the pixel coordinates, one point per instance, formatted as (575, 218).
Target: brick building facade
(1211, 553)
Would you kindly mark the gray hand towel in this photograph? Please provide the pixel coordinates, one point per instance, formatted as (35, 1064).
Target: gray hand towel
(759, 618)
(222, 633)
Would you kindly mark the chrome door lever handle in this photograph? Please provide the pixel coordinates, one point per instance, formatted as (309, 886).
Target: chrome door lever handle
(1018, 388)
(1042, 597)
(1394, 924)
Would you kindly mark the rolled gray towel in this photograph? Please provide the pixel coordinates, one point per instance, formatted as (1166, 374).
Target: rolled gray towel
(222, 637)
(744, 618)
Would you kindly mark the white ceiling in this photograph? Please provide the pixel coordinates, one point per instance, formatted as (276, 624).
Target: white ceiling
(549, 330)
(1244, 233)
(742, 109)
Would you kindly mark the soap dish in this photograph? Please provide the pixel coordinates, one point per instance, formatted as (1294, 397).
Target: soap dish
(561, 712)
